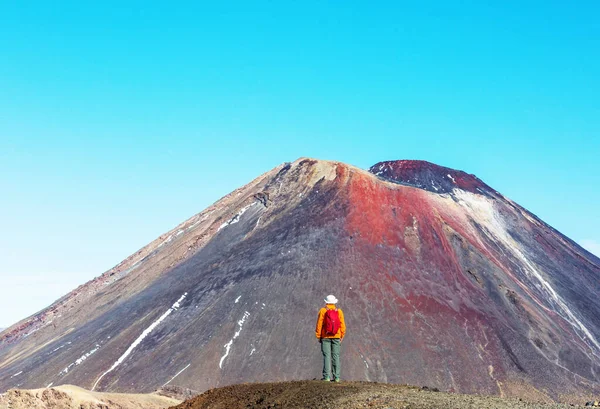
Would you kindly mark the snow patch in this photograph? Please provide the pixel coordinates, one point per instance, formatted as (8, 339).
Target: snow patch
(381, 169)
(86, 355)
(482, 210)
(17, 374)
(167, 240)
(236, 218)
(66, 370)
(147, 331)
(60, 347)
(122, 274)
(30, 332)
(49, 385)
(228, 345)
(237, 299)
(450, 176)
(79, 361)
(194, 225)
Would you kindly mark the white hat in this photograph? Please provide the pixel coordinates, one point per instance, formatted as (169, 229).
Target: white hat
(331, 299)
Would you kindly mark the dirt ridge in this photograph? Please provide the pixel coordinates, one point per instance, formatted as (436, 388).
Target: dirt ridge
(73, 397)
(349, 395)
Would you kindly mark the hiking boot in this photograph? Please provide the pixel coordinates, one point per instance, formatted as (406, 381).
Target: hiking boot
(337, 380)
(326, 379)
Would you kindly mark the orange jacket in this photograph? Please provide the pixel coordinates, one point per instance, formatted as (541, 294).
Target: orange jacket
(320, 332)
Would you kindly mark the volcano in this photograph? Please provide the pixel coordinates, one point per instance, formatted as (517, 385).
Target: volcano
(444, 282)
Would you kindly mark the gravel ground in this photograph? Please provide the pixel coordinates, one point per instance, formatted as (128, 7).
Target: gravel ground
(347, 395)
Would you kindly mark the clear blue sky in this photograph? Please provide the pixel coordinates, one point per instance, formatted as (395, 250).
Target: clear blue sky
(119, 121)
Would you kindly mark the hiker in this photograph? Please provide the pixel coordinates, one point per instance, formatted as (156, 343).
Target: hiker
(330, 332)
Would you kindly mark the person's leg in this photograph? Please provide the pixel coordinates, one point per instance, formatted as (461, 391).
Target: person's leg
(336, 346)
(326, 349)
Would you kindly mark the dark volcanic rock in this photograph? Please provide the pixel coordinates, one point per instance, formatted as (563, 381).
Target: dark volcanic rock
(457, 288)
(428, 176)
(176, 392)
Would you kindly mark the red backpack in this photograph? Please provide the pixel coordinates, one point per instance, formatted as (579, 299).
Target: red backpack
(331, 322)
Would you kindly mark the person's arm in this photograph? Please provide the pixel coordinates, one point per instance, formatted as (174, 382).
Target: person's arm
(319, 324)
(342, 324)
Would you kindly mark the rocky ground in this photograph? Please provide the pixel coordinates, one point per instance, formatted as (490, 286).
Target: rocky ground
(348, 395)
(290, 395)
(73, 397)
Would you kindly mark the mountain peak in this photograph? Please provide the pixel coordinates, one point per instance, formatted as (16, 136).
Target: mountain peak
(428, 176)
(475, 293)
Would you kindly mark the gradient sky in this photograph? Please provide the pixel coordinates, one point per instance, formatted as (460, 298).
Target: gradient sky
(117, 122)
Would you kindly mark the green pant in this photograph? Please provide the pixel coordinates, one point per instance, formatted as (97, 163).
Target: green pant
(331, 352)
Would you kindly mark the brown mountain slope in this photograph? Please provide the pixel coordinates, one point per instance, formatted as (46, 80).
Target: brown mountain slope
(443, 281)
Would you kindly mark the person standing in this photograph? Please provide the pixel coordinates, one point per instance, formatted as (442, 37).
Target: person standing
(330, 331)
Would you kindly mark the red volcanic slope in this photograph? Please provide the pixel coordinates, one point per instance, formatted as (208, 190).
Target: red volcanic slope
(444, 282)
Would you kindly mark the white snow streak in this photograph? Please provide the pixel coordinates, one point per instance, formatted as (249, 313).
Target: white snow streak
(177, 374)
(17, 374)
(29, 333)
(80, 360)
(49, 385)
(380, 169)
(481, 209)
(237, 299)
(195, 224)
(147, 331)
(450, 176)
(236, 218)
(62, 346)
(85, 356)
(364, 360)
(168, 239)
(228, 345)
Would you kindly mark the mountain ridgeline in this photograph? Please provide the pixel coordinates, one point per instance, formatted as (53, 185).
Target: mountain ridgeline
(444, 282)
